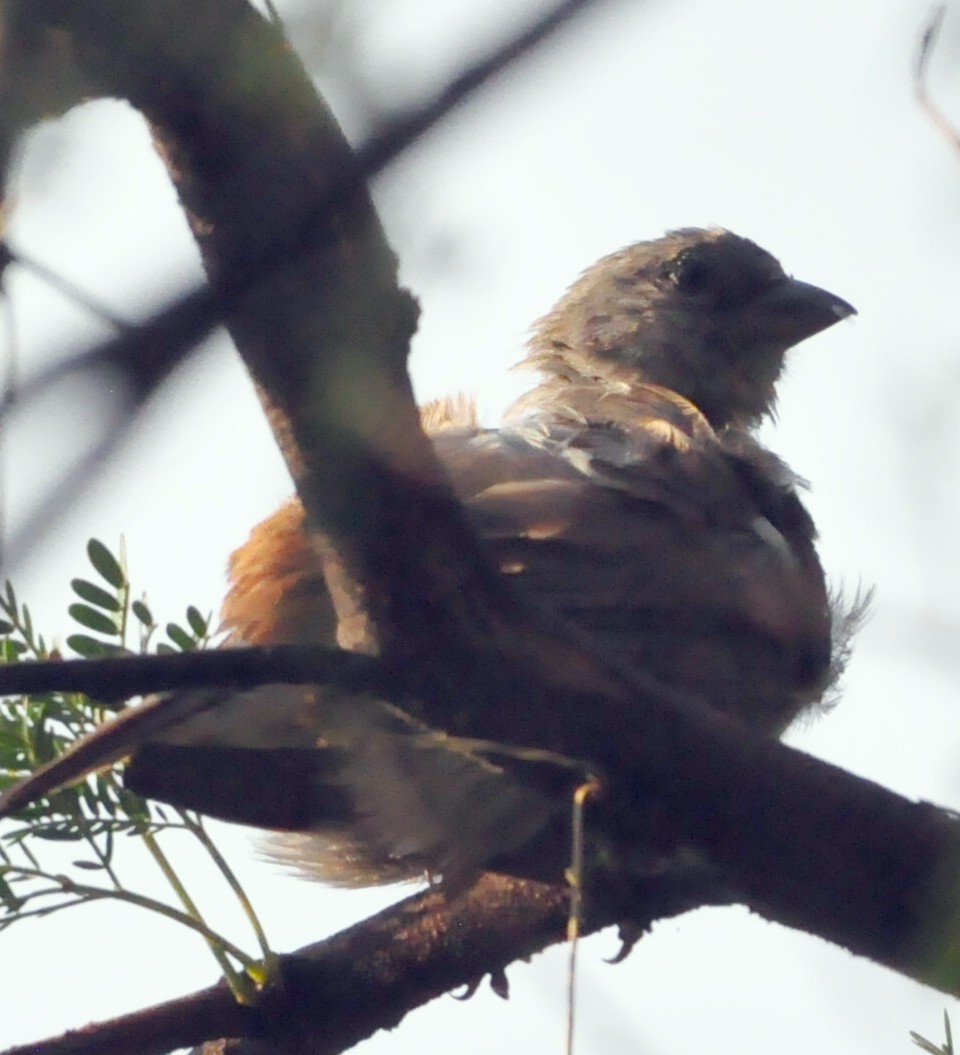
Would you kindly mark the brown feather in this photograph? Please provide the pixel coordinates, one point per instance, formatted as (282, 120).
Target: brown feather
(625, 492)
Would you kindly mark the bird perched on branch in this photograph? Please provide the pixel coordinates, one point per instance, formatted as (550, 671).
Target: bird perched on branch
(626, 492)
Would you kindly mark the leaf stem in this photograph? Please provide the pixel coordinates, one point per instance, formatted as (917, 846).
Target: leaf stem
(239, 984)
(269, 956)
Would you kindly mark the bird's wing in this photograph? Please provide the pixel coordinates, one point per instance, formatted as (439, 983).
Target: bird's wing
(278, 593)
(680, 555)
(687, 556)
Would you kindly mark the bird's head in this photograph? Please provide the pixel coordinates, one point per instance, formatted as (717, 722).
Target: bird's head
(705, 313)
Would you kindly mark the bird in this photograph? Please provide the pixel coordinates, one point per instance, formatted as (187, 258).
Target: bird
(626, 492)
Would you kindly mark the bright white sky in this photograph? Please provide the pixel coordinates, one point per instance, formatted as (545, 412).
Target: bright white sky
(791, 123)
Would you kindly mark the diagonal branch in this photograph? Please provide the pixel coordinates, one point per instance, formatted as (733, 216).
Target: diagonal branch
(259, 163)
(342, 990)
(339, 991)
(145, 354)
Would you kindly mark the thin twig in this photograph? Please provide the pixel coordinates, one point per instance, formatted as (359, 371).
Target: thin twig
(269, 956)
(928, 42)
(240, 985)
(71, 290)
(575, 879)
(119, 677)
(94, 893)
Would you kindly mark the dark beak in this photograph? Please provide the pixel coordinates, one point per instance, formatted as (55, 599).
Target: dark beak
(790, 311)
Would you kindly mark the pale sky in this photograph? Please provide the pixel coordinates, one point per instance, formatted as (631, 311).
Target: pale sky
(791, 123)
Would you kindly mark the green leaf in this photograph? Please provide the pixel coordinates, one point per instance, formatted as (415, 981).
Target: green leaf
(7, 896)
(143, 613)
(10, 599)
(133, 805)
(66, 832)
(45, 745)
(180, 638)
(106, 564)
(6, 628)
(197, 623)
(12, 743)
(87, 591)
(11, 650)
(114, 706)
(87, 646)
(92, 619)
(95, 798)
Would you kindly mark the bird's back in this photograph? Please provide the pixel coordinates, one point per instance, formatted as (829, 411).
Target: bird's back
(684, 555)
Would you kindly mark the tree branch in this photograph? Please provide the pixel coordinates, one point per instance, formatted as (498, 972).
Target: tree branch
(120, 677)
(40, 75)
(333, 994)
(928, 42)
(262, 168)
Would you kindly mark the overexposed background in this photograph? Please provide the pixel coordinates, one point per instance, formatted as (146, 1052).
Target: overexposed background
(791, 123)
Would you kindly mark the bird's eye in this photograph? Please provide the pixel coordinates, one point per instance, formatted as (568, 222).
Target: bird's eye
(690, 273)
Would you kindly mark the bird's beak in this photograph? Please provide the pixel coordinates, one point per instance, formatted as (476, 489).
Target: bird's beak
(790, 311)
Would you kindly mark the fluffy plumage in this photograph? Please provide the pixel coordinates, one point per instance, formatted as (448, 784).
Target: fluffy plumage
(626, 492)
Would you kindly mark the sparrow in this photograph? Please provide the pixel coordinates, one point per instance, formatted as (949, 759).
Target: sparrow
(626, 492)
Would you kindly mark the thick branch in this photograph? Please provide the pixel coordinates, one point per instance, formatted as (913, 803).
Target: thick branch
(333, 994)
(40, 76)
(255, 154)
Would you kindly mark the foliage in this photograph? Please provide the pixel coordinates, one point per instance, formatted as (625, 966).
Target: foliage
(929, 1046)
(91, 817)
